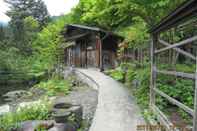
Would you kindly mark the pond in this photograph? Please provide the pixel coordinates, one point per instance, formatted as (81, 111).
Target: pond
(7, 87)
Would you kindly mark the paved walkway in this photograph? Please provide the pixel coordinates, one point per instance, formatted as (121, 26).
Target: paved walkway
(116, 109)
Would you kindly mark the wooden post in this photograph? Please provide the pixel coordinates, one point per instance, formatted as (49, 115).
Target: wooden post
(86, 55)
(153, 72)
(195, 103)
(101, 56)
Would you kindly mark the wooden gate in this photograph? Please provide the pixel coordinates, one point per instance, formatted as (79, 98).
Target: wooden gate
(180, 15)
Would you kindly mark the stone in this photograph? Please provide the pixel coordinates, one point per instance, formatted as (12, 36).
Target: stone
(76, 116)
(37, 91)
(13, 95)
(135, 83)
(32, 125)
(64, 112)
(49, 125)
(63, 127)
(4, 109)
(68, 72)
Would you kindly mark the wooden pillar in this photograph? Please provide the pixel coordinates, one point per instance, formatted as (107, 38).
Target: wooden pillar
(86, 55)
(101, 56)
(153, 72)
(195, 103)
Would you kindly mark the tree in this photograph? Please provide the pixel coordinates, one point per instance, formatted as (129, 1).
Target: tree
(31, 26)
(19, 11)
(130, 18)
(24, 8)
(2, 33)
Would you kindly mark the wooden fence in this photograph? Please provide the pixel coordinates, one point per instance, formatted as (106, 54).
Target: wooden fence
(181, 14)
(131, 54)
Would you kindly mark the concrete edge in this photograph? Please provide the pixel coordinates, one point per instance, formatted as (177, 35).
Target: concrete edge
(88, 80)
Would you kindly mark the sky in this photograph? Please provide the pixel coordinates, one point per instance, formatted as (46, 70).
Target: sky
(55, 8)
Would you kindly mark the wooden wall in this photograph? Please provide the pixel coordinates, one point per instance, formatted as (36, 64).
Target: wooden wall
(87, 53)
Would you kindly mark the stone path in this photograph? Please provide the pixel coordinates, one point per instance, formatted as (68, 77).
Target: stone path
(116, 109)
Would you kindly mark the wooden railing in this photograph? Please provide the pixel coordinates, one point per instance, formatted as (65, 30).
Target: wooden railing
(182, 14)
(153, 90)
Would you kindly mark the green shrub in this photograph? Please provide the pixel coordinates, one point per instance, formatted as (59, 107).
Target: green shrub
(142, 92)
(55, 86)
(178, 88)
(118, 74)
(35, 112)
(130, 75)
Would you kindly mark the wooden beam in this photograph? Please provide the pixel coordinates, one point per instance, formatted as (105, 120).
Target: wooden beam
(175, 102)
(195, 103)
(187, 41)
(101, 53)
(174, 73)
(162, 118)
(71, 38)
(178, 50)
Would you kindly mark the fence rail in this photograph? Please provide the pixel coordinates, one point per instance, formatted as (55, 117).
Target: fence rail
(184, 12)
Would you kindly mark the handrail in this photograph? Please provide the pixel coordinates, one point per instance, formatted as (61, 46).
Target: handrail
(187, 41)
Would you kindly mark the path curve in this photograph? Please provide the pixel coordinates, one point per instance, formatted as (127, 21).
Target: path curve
(116, 109)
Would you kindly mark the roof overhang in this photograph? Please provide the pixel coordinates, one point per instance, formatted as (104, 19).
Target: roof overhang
(95, 29)
(77, 37)
(186, 10)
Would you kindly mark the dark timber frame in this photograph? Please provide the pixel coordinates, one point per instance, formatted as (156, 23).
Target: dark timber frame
(180, 15)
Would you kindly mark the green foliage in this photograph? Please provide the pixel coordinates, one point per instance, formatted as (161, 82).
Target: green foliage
(46, 46)
(27, 18)
(136, 34)
(142, 92)
(180, 89)
(131, 19)
(55, 86)
(118, 74)
(2, 32)
(20, 9)
(11, 60)
(34, 112)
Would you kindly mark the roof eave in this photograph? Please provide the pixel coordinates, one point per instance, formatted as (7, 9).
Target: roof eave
(185, 10)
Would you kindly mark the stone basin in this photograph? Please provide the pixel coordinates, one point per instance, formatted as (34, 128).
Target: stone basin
(63, 112)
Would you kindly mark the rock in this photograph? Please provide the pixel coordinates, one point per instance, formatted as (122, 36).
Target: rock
(14, 95)
(135, 83)
(37, 91)
(76, 115)
(66, 112)
(4, 109)
(61, 116)
(49, 125)
(68, 72)
(32, 125)
(63, 127)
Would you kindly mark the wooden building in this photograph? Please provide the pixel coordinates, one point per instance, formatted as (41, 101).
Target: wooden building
(90, 47)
